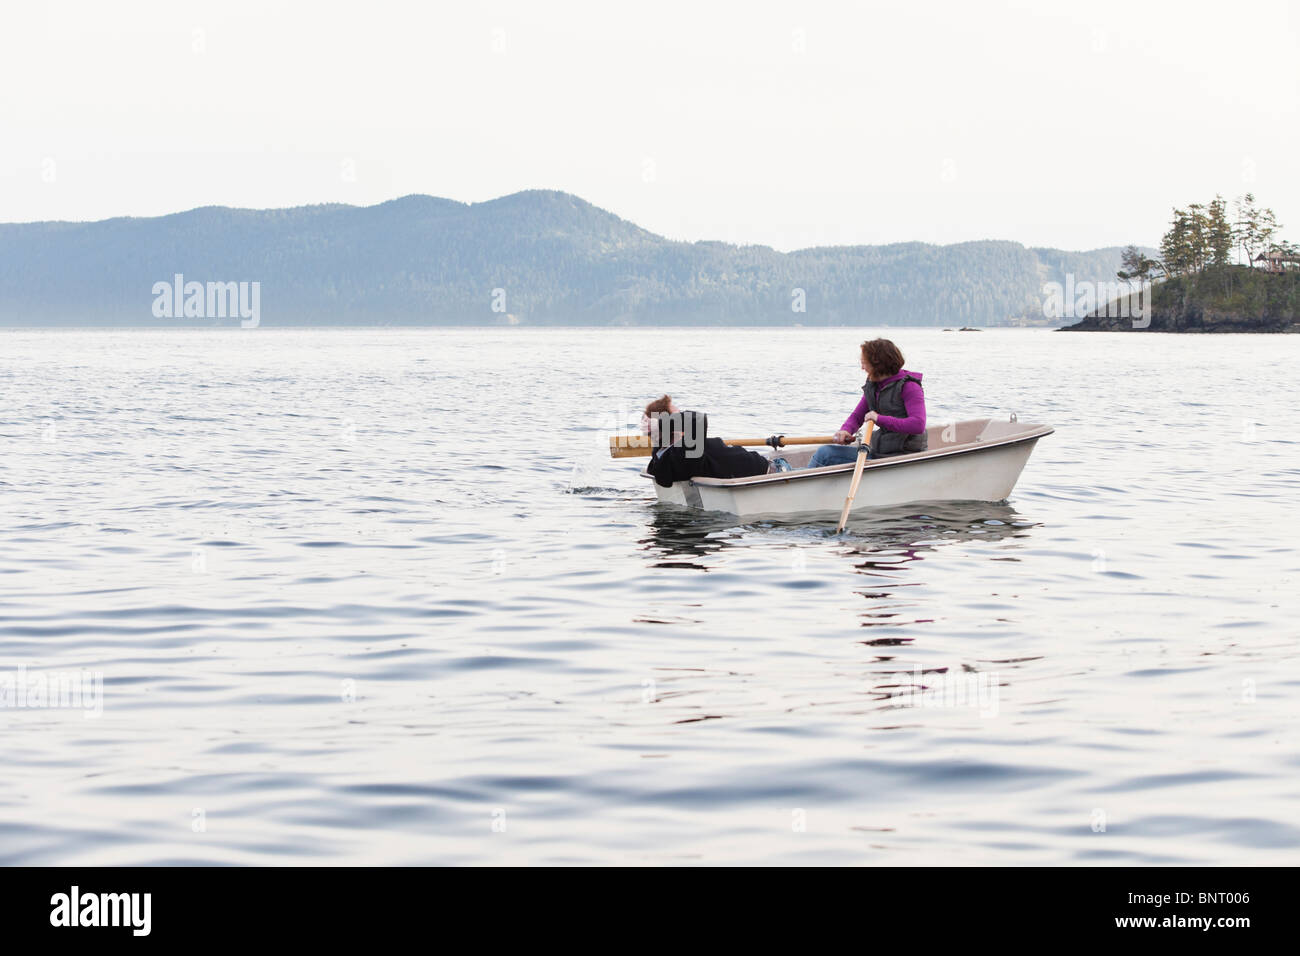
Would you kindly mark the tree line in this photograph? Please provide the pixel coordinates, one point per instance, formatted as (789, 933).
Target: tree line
(1205, 236)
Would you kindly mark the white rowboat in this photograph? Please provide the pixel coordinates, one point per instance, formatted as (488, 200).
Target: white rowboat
(974, 460)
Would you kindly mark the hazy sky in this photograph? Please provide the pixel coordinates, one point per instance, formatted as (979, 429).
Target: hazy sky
(791, 124)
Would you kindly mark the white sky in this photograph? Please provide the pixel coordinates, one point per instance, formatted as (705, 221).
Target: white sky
(1074, 125)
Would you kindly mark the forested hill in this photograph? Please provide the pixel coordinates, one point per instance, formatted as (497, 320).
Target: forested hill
(532, 258)
(1224, 298)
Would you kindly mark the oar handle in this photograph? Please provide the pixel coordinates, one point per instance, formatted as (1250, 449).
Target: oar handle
(638, 446)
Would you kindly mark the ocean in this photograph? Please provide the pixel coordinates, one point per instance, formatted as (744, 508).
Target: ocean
(381, 596)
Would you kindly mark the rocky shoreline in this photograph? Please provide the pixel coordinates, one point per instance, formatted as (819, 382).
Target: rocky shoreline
(1191, 322)
(1225, 299)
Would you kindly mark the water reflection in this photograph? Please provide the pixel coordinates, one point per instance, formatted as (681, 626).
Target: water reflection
(681, 532)
(885, 539)
(882, 604)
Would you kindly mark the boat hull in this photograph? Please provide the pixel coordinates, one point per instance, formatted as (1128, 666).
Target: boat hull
(976, 460)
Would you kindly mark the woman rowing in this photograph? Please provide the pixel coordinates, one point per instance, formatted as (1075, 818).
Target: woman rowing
(891, 398)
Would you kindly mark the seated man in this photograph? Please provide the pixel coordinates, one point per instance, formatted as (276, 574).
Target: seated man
(683, 450)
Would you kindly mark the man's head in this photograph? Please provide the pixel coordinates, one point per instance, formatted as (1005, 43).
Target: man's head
(654, 412)
(664, 403)
(666, 424)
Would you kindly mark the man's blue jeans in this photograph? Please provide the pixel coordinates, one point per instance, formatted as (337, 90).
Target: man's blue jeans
(834, 455)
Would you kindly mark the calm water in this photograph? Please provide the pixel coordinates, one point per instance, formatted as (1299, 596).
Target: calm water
(378, 596)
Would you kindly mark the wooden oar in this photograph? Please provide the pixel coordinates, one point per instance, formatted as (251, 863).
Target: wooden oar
(863, 445)
(638, 446)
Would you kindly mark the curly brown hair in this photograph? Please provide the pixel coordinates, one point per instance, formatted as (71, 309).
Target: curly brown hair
(660, 404)
(883, 356)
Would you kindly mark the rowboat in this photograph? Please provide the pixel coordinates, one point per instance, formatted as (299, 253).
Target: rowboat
(974, 460)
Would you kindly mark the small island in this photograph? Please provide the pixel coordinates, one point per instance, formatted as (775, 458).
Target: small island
(1212, 276)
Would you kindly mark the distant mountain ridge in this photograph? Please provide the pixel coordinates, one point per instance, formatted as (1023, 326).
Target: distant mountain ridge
(537, 257)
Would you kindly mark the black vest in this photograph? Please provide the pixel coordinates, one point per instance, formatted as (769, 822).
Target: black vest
(887, 399)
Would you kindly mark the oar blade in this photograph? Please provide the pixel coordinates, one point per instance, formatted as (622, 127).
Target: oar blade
(629, 446)
(857, 478)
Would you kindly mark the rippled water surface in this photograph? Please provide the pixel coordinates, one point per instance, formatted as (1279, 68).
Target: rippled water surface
(380, 596)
